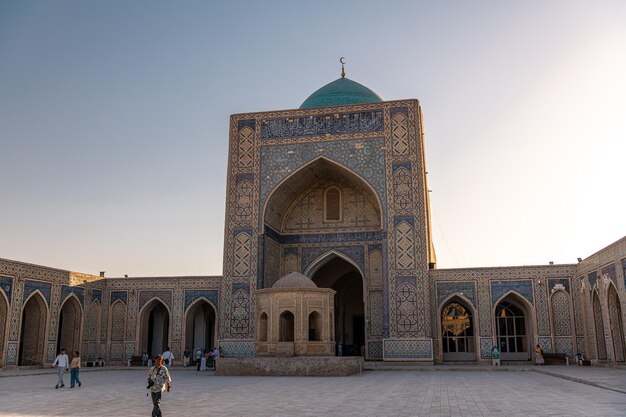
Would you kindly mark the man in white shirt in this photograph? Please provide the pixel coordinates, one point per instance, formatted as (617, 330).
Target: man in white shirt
(168, 358)
(63, 362)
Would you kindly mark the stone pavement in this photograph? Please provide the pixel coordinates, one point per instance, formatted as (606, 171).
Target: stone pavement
(392, 393)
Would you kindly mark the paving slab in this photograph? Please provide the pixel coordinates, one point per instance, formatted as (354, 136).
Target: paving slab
(373, 394)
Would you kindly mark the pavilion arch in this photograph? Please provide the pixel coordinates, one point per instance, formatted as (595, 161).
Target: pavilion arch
(301, 180)
(598, 320)
(515, 338)
(263, 327)
(316, 326)
(4, 323)
(33, 330)
(616, 325)
(70, 322)
(467, 348)
(286, 326)
(154, 327)
(201, 325)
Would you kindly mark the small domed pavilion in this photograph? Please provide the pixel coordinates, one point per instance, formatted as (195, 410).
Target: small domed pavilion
(295, 318)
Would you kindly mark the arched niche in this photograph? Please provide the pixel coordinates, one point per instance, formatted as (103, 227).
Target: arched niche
(200, 325)
(154, 322)
(617, 327)
(70, 325)
(33, 330)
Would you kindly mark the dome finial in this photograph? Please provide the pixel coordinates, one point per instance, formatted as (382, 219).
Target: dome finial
(343, 70)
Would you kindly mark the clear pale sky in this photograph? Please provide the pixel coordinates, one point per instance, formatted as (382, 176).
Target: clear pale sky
(114, 120)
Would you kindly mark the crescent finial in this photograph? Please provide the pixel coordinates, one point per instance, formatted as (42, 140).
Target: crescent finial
(343, 70)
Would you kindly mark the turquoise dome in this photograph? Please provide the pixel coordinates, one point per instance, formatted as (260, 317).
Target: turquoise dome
(339, 92)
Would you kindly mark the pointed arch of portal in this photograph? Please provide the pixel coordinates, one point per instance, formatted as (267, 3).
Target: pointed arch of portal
(458, 340)
(301, 180)
(335, 270)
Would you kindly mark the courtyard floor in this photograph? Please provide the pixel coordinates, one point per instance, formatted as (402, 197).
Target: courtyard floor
(404, 392)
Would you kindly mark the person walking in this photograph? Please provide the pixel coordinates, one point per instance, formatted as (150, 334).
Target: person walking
(168, 358)
(214, 356)
(75, 370)
(158, 381)
(186, 357)
(539, 356)
(62, 361)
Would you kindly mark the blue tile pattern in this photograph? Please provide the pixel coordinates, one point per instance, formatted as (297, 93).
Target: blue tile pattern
(96, 295)
(375, 350)
(446, 289)
(279, 162)
(545, 343)
(563, 281)
(408, 349)
(522, 287)
(288, 127)
(6, 284)
(192, 295)
(247, 123)
(32, 286)
(77, 291)
(355, 253)
(397, 165)
(610, 271)
(593, 277)
(486, 343)
(324, 237)
(405, 281)
(237, 348)
(119, 295)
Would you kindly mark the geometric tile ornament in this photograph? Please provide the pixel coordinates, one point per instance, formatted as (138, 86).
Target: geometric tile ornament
(523, 288)
(44, 287)
(486, 344)
(408, 349)
(446, 289)
(6, 285)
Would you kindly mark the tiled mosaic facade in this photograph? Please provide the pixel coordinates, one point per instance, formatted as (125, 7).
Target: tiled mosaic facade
(281, 165)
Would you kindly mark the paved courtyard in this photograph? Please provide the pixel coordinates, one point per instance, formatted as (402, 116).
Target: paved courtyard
(375, 393)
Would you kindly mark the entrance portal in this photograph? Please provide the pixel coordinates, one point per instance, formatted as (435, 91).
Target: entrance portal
(69, 326)
(155, 326)
(200, 326)
(512, 330)
(346, 280)
(32, 336)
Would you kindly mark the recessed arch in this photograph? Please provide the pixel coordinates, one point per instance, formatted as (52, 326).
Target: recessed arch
(616, 324)
(325, 258)
(154, 330)
(4, 323)
(598, 319)
(513, 321)
(200, 331)
(70, 324)
(315, 326)
(263, 327)
(33, 330)
(299, 181)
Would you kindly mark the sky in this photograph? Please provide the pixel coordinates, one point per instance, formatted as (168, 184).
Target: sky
(114, 120)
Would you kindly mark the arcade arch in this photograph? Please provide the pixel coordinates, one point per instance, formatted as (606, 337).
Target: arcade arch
(598, 320)
(70, 325)
(4, 323)
(514, 335)
(33, 331)
(458, 335)
(200, 325)
(617, 327)
(154, 324)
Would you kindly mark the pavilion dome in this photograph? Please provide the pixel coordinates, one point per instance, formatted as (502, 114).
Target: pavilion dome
(294, 280)
(339, 92)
